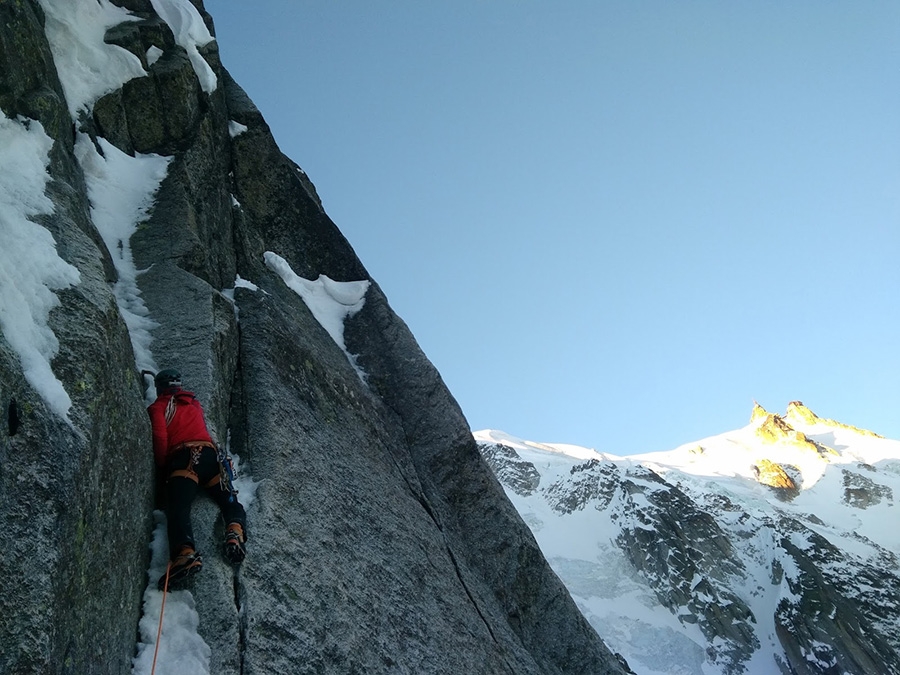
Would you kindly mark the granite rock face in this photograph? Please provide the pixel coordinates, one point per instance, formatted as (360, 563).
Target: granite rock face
(379, 539)
(71, 494)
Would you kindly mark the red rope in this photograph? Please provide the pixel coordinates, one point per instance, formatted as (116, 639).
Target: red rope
(161, 610)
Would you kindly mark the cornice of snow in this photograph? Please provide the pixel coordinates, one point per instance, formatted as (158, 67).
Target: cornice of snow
(88, 67)
(331, 302)
(190, 33)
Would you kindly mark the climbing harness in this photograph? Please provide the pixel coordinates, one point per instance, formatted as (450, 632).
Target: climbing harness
(189, 471)
(162, 609)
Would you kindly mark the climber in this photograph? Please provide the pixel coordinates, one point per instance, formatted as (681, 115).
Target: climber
(184, 451)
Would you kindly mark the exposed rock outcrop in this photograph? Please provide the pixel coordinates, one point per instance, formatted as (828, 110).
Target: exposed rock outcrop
(862, 492)
(516, 473)
(688, 561)
(776, 476)
(774, 429)
(821, 625)
(592, 483)
(379, 539)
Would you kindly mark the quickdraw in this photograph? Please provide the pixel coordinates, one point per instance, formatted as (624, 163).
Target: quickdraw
(226, 473)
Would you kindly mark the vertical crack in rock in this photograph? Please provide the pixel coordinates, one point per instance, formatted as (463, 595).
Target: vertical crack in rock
(237, 413)
(425, 505)
(242, 620)
(466, 588)
(423, 501)
(13, 417)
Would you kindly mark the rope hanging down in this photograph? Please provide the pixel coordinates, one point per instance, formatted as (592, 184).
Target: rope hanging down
(162, 609)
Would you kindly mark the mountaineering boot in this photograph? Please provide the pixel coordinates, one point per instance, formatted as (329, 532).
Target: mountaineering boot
(186, 565)
(234, 543)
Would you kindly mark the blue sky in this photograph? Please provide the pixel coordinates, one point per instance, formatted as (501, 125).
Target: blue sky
(613, 224)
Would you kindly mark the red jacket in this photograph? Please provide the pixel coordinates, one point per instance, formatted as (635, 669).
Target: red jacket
(176, 417)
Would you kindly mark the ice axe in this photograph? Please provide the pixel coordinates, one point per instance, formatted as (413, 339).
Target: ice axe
(144, 374)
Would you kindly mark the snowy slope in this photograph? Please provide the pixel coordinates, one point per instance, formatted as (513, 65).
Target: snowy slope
(690, 561)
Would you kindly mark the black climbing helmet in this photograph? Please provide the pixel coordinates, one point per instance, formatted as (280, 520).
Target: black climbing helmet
(166, 379)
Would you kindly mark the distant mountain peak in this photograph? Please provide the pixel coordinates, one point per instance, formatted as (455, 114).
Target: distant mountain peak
(758, 412)
(799, 413)
(755, 551)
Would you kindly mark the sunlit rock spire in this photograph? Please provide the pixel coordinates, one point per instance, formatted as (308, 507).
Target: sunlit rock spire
(758, 412)
(797, 412)
(774, 429)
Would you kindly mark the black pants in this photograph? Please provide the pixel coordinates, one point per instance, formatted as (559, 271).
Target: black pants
(195, 467)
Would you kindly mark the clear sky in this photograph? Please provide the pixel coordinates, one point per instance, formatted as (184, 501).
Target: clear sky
(612, 224)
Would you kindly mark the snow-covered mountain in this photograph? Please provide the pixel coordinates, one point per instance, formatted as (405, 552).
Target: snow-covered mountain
(772, 548)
